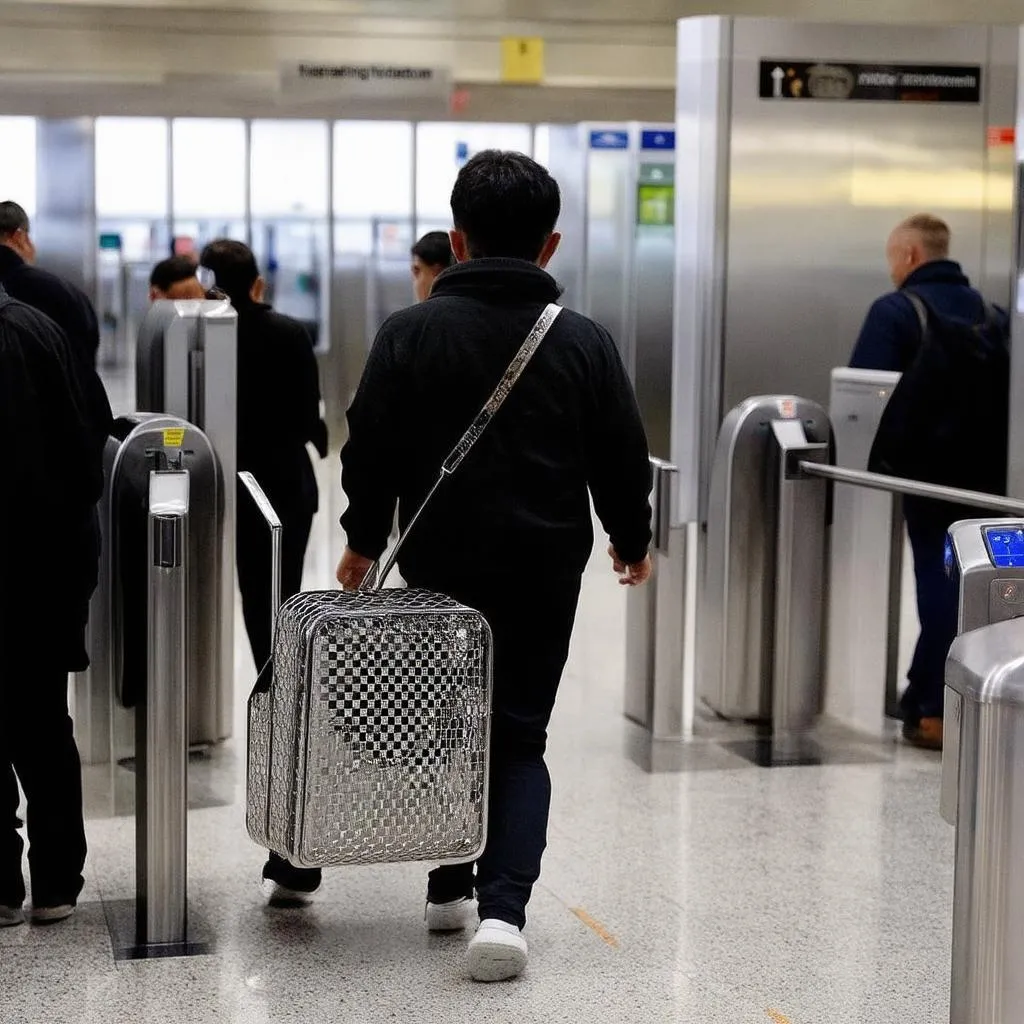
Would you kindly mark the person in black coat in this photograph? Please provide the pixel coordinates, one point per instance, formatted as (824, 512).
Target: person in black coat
(278, 414)
(511, 531)
(918, 256)
(49, 562)
(67, 306)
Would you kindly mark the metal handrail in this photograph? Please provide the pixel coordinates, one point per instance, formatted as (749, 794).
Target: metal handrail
(273, 522)
(900, 485)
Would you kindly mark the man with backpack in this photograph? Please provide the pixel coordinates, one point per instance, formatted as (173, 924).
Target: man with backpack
(946, 423)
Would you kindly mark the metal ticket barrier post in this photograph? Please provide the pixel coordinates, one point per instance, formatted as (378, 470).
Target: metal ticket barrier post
(161, 734)
(107, 692)
(654, 637)
(761, 630)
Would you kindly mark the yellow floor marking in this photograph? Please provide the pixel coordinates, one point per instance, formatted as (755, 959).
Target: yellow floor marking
(598, 929)
(779, 1018)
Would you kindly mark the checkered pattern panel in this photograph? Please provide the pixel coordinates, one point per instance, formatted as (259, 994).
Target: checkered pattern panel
(380, 727)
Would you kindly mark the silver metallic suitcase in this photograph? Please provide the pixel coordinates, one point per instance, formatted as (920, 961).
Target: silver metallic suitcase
(374, 728)
(369, 729)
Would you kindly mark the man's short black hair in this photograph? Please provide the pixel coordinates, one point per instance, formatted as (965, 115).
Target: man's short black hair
(12, 218)
(234, 266)
(506, 205)
(169, 272)
(435, 249)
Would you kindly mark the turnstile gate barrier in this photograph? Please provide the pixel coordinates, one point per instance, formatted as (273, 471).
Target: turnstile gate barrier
(118, 626)
(761, 619)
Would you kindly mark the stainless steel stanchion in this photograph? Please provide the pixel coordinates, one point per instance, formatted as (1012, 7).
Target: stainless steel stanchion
(162, 724)
(985, 701)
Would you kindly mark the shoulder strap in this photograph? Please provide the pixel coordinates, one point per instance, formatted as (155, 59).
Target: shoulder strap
(920, 308)
(375, 577)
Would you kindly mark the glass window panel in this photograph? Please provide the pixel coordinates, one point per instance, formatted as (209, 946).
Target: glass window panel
(131, 167)
(441, 148)
(209, 167)
(18, 164)
(288, 174)
(373, 168)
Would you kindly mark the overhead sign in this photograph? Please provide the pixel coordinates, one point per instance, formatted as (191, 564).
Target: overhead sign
(609, 139)
(892, 83)
(657, 139)
(522, 60)
(363, 79)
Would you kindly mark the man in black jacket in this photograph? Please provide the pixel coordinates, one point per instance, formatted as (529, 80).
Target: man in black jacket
(510, 533)
(49, 557)
(61, 301)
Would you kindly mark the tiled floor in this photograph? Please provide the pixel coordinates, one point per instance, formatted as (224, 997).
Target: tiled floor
(730, 894)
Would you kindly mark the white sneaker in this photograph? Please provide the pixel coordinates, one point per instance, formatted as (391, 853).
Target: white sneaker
(10, 916)
(50, 915)
(497, 952)
(456, 916)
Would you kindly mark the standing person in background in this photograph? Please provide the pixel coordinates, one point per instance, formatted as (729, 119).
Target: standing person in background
(67, 306)
(49, 558)
(278, 414)
(930, 288)
(175, 278)
(431, 256)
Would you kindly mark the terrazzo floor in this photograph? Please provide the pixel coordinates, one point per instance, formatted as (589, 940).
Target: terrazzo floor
(724, 894)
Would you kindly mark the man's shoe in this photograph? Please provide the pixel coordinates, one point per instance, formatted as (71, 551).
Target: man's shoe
(290, 886)
(11, 916)
(51, 915)
(926, 733)
(497, 952)
(455, 916)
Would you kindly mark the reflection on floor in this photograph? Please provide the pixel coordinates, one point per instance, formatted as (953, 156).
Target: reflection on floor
(722, 894)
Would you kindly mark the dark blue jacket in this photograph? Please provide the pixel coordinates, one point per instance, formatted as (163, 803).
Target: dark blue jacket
(891, 334)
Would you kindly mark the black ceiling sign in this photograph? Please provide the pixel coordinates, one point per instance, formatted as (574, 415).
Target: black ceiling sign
(892, 83)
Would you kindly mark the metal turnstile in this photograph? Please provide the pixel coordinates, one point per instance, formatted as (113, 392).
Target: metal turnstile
(118, 626)
(865, 576)
(654, 637)
(187, 366)
(761, 617)
(981, 770)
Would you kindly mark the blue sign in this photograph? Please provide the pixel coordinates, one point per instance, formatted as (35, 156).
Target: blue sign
(609, 140)
(658, 139)
(1006, 547)
(461, 152)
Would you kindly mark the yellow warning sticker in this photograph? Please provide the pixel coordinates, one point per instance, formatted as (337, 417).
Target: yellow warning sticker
(174, 437)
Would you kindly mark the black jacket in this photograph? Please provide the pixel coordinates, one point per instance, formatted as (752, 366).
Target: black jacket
(278, 407)
(68, 307)
(891, 334)
(519, 503)
(53, 477)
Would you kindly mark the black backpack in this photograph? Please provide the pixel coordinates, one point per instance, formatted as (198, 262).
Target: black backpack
(948, 418)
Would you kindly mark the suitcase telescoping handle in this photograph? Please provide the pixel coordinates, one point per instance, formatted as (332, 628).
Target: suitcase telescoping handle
(262, 502)
(379, 573)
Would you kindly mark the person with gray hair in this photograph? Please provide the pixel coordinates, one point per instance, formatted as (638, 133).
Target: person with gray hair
(930, 287)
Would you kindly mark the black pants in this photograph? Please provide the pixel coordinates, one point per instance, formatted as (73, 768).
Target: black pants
(927, 525)
(252, 556)
(37, 747)
(532, 625)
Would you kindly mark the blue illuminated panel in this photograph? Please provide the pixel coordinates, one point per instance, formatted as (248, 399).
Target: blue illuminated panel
(1005, 546)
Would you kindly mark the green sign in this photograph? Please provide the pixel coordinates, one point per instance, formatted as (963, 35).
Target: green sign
(111, 241)
(655, 205)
